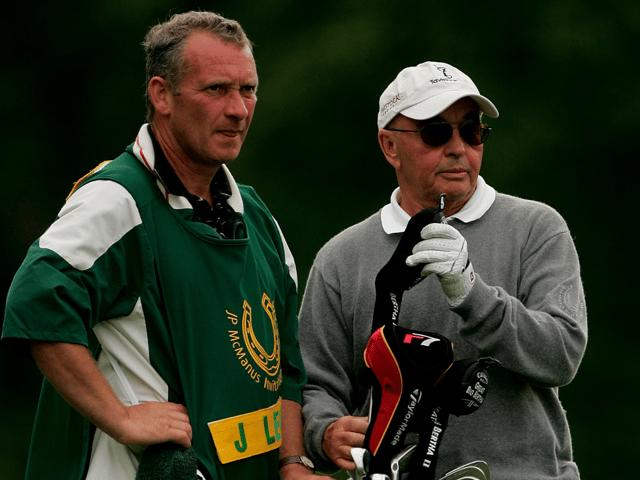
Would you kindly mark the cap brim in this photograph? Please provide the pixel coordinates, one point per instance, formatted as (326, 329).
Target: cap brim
(438, 104)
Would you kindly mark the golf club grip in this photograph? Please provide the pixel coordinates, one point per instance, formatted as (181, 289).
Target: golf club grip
(425, 456)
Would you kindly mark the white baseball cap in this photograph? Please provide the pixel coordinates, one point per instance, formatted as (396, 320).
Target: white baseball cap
(426, 90)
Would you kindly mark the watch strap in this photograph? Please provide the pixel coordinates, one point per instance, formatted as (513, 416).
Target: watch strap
(296, 459)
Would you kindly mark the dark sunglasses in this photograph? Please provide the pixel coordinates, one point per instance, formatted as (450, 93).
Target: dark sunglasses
(436, 134)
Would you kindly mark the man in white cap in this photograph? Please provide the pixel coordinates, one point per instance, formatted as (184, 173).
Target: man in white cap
(520, 302)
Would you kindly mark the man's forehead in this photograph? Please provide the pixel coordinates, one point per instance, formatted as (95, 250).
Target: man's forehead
(205, 51)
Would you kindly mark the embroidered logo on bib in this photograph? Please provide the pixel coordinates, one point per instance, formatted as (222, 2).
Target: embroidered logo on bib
(263, 366)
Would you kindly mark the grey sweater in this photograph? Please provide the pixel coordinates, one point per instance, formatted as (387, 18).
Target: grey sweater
(526, 309)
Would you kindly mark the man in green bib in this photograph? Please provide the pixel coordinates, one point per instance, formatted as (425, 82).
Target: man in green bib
(161, 304)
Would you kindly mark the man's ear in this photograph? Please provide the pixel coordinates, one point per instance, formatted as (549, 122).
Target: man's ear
(160, 95)
(388, 145)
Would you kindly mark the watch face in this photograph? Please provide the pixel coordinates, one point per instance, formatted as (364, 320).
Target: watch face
(307, 463)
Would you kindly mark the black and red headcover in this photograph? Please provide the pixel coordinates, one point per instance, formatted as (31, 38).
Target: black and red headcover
(415, 382)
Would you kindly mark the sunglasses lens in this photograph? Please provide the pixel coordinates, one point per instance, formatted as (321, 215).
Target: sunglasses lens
(474, 133)
(484, 134)
(436, 134)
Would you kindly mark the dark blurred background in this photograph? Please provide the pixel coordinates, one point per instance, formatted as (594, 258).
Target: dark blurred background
(564, 75)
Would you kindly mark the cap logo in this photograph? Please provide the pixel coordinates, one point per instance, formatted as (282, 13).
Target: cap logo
(444, 72)
(389, 105)
(446, 76)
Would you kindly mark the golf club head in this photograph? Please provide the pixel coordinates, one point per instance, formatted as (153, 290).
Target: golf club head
(361, 459)
(477, 470)
(400, 463)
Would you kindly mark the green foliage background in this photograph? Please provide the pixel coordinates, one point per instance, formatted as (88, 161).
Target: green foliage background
(564, 75)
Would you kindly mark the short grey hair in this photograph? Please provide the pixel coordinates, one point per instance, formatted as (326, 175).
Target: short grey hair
(164, 44)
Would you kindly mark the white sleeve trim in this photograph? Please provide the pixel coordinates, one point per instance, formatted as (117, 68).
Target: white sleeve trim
(94, 218)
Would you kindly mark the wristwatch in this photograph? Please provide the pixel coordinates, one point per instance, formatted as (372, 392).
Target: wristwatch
(296, 459)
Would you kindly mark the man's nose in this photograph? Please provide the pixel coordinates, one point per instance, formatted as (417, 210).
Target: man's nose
(455, 146)
(235, 105)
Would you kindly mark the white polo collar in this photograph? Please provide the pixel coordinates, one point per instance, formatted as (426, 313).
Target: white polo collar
(395, 219)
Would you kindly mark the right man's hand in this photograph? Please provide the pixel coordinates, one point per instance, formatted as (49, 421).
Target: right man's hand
(341, 436)
(444, 251)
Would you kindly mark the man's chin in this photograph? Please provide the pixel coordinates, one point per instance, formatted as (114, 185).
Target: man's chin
(226, 154)
(228, 158)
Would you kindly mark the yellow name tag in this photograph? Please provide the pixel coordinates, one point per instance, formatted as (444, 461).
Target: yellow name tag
(249, 434)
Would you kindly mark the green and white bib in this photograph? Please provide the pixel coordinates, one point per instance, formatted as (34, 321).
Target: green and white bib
(173, 313)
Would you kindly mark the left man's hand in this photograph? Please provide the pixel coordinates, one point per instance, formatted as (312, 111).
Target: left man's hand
(293, 443)
(443, 251)
(74, 373)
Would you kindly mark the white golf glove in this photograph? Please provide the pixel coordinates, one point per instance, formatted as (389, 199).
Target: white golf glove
(443, 251)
